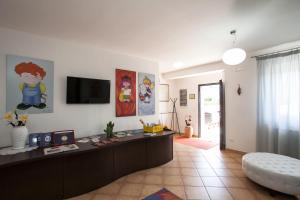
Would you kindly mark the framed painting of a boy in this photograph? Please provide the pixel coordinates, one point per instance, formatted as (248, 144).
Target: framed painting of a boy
(125, 93)
(29, 85)
(146, 93)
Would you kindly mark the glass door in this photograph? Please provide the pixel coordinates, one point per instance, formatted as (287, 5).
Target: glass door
(209, 112)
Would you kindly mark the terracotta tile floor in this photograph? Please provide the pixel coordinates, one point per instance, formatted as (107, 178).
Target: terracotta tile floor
(193, 174)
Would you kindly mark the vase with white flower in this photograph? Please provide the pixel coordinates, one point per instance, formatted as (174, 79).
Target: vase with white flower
(19, 132)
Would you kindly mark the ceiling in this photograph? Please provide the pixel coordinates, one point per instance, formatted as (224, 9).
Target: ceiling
(175, 33)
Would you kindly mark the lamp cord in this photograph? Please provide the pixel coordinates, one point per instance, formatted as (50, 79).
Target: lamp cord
(233, 33)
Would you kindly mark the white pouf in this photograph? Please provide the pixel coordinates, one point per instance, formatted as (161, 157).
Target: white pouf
(277, 172)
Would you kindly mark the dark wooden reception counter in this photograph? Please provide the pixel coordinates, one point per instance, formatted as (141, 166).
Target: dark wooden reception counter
(33, 175)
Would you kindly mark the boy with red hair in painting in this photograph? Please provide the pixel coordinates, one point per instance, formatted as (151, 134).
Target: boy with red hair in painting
(33, 90)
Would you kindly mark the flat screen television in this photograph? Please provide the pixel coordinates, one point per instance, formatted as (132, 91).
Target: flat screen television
(87, 91)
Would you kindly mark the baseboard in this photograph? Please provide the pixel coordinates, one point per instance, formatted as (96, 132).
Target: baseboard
(236, 151)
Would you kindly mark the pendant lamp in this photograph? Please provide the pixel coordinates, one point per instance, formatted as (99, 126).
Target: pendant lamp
(234, 56)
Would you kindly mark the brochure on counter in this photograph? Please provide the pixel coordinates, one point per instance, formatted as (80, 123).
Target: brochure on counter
(59, 149)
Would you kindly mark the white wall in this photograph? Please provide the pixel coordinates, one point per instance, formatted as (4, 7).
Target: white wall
(240, 110)
(73, 59)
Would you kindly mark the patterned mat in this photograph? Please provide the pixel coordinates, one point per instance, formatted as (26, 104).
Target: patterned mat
(195, 142)
(163, 194)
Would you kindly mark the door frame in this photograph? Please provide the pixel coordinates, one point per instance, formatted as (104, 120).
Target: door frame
(199, 104)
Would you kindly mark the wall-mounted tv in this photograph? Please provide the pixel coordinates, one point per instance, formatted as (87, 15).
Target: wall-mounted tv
(87, 91)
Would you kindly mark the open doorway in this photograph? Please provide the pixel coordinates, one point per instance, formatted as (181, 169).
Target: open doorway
(209, 115)
(211, 118)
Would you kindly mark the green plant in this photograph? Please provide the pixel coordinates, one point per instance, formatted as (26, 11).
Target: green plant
(109, 129)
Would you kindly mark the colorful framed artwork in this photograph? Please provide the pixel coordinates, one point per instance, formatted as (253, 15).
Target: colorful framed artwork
(29, 84)
(146, 92)
(125, 93)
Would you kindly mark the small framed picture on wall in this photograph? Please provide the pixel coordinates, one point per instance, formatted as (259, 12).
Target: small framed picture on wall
(183, 97)
(192, 96)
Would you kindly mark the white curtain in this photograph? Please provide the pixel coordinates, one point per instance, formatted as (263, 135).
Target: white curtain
(278, 110)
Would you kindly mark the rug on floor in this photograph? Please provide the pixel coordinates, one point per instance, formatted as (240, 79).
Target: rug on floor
(195, 142)
(162, 194)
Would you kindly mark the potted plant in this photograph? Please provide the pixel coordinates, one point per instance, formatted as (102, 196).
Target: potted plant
(109, 130)
(19, 132)
(188, 130)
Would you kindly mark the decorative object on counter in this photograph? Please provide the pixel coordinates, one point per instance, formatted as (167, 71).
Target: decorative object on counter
(192, 96)
(19, 136)
(40, 139)
(239, 90)
(11, 151)
(84, 140)
(142, 122)
(64, 137)
(151, 128)
(125, 93)
(29, 84)
(109, 129)
(183, 97)
(146, 92)
(19, 132)
(123, 134)
(102, 142)
(59, 149)
(95, 138)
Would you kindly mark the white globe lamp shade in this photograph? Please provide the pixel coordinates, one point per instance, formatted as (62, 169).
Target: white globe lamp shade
(234, 56)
